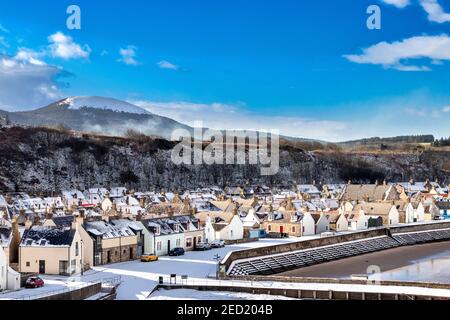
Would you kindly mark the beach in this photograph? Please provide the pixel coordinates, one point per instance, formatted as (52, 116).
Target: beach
(427, 262)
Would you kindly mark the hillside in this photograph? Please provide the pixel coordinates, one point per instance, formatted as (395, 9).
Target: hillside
(97, 115)
(38, 159)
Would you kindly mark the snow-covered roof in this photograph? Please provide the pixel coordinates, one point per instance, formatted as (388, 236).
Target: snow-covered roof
(73, 194)
(308, 188)
(47, 237)
(166, 226)
(108, 230)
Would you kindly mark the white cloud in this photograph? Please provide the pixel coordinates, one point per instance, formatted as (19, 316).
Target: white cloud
(26, 82)
(164, 64)
(446, 109)
(237, 117)
(432, 7)
(397, 3)
(435, 11)
(29, 56)
(397, 54)
(3, 29)
(63, 46)
(128, 56)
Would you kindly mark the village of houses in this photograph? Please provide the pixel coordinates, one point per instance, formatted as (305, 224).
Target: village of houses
(79, 230)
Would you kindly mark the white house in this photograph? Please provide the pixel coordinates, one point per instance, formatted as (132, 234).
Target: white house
(415, 212)
(128, 205)
(251, 220)
(308, 224)
(357, 220)
(386, 210)
(162, 235)
(338, 222)
(322, 223)
(220, 229)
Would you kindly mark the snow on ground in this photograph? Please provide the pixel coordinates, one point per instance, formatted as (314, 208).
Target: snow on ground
(188, 294)
(140, 278)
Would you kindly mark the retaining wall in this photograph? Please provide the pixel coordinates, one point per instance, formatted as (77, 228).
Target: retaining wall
(78, 294)
(320, 242)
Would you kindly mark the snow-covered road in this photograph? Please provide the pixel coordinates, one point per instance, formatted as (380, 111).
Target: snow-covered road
(139, 279)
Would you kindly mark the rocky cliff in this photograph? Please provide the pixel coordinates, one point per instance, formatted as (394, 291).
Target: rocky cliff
(45, 160)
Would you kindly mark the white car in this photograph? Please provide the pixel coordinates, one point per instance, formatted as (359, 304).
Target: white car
(217, 244)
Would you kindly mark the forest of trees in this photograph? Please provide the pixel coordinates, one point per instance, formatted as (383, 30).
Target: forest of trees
(402, 139)
(443, 142)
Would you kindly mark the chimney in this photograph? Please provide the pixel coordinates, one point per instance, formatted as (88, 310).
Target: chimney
(142, 203)
(80, 220)
(28, 224)
(75, 223)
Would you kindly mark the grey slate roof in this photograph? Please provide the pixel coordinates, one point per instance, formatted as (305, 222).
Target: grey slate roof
(47, 236)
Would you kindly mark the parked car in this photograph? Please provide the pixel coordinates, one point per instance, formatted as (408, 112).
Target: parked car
(217, 244)
(202, 246)
(149, 258)
(34, 282)
(176, 252)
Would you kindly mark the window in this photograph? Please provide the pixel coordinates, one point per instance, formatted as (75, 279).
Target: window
(199, 239)
(158, 246)
(178, 242)
(269, 227)
(28, 263)
(76, 249)
(293, 229)
(188, 242)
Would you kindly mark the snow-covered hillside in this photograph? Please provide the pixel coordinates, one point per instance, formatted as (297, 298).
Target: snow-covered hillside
(76, 103)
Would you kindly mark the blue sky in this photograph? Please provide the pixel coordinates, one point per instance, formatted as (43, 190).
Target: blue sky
(296, 66)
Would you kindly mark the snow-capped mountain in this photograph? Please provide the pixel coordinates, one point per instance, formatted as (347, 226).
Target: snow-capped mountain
(77, 103)
(98, 115)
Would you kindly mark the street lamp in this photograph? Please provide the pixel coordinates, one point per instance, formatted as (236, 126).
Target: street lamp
(217, 258)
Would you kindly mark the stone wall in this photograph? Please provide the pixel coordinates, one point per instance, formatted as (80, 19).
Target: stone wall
(119, 254)
(79, 294)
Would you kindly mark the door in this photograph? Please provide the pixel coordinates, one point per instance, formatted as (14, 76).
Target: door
(131, 254)
(168, 245)
(42, 266)
(281, 229)
(108, 256)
